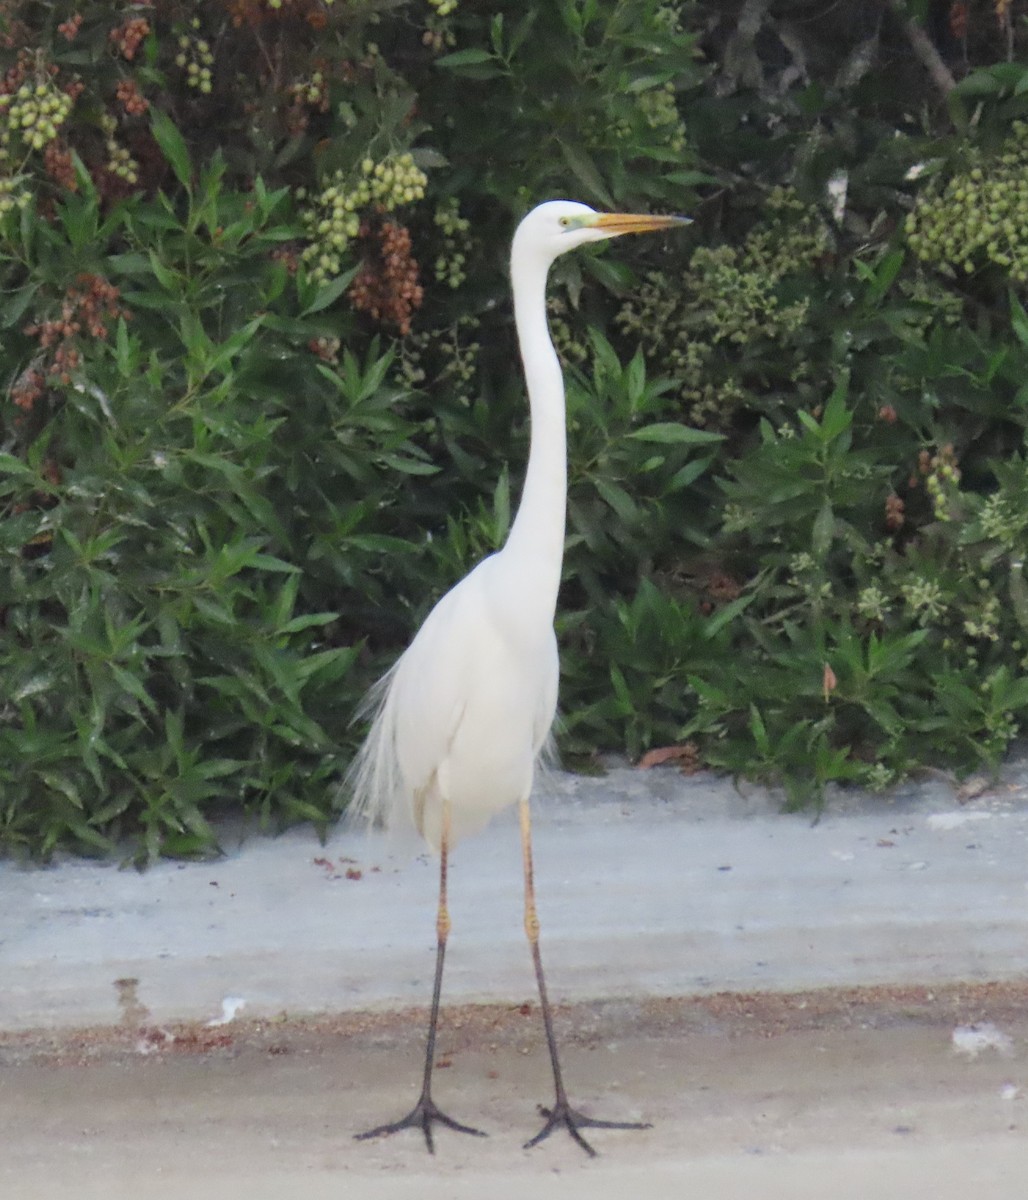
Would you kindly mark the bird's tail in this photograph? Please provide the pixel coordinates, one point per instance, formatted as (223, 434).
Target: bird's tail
(372, 781)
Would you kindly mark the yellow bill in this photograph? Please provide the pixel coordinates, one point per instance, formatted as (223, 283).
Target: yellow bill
(615, 224)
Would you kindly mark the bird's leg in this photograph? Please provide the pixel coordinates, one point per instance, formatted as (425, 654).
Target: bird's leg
(425, 1113)
(561, 1113)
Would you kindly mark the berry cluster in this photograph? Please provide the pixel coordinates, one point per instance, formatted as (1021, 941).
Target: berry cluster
(980, 216)
(571, 348)
(59, 165)
(69, 29)
(449, 352)
(659, 108)
(129, 36)
(390, 183)
(13, 193)
(120, 162)
(449, 265)
(34, 113)
(985, 623)
(333, 220)
(29, 387)
(386, 286)
(702, 325)
(196, 58)
(438, 36)
(311, 92)
(87, 307)
(326, 348)
(895, 512)
(131, 98)
(306, 96)
(942, 478)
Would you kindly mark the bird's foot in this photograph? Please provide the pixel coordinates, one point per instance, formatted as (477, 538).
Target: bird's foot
(422, 1116)
(574, 1122)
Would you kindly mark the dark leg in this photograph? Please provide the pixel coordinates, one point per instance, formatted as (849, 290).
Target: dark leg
(561, 1113)
(425, 1113)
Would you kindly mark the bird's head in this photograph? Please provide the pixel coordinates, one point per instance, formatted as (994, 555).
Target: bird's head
(553, 228)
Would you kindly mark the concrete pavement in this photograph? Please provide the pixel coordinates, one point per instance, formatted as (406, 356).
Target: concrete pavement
(650, 884)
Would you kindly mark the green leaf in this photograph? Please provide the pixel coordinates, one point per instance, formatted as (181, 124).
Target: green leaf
(619, 500)
(472, 63)
(14, 466)
(464, 58)
(133, 686)
(15, 305)
(268, 562)
(584, 170)
(165, 276)
(759, 731)
(726, 614)
(884, 276)
(670, 432)
(123, 350)
(329, 293)
(298, 624)
(172, 146)
(824, 530)
(1019, 319)
(635, 379)
(690, 178)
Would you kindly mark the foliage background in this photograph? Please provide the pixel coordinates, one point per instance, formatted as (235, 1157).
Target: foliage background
(259, 407)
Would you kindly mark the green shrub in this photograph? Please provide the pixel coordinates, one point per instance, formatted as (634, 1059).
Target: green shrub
(260, 409)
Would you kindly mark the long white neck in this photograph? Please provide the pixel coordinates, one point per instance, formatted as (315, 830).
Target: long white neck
(536, 541)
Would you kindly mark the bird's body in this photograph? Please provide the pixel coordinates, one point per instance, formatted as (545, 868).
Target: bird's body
(444, 729)
(460, 720)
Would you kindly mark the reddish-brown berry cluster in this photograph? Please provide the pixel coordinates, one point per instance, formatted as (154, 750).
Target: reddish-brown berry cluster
(129, 36)
(69, 29)
(131, 98)
(386, 286)
(85, 307)
(894, 512)
(722, 587)
(59, 166)
(65, 360)
(15, 76)
(30, 385)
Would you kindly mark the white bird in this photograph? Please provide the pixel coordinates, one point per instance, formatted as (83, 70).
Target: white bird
(461, 719)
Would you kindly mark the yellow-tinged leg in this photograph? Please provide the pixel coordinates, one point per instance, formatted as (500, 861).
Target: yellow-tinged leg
(425, 1113)
(561, 1113)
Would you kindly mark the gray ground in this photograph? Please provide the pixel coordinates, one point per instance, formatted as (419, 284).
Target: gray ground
(864, 1096)
(831, 1009)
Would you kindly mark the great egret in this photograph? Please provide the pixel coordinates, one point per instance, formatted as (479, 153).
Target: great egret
(463, 715)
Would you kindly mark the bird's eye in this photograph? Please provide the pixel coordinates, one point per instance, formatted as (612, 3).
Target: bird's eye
(565, 221)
